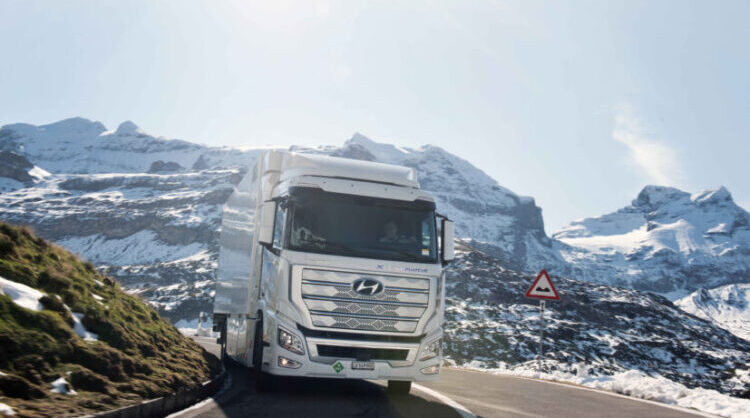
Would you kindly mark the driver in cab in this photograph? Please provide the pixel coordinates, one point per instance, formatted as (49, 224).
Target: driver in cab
(390, 234)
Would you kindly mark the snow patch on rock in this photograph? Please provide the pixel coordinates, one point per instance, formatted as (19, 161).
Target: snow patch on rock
(62, 387)
(6, 410)
(22, 295)
(81, 330)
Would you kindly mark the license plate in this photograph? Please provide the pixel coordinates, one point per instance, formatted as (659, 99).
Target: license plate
(363, 365)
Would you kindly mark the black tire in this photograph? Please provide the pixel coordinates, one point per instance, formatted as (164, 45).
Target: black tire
(399, 387)
(263, 381)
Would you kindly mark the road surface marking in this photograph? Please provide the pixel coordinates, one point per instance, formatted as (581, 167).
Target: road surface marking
(462, 410)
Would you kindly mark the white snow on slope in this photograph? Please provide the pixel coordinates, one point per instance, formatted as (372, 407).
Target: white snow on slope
(726, 306)
(613, 242)
(38, 173)
(62, 387)
(28, 298)
(21, 294)
(6, 410)
(81, 330)
(142, 247)
(637, 384)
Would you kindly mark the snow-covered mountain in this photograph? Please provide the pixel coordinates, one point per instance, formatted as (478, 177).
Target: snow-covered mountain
(78, 145)
(726, 306)
(667, 241)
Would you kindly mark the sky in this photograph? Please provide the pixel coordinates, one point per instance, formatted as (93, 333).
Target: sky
(578, 104)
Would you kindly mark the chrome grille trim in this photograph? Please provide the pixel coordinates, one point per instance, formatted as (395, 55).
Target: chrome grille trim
(370, 301)
(366, 316)
(331, 301)
(400, 289)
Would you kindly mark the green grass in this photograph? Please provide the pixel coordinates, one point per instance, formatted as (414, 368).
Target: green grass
(138, 355)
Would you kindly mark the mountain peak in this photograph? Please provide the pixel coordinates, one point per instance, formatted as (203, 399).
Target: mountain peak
(358, 138)
(376, 151)
(654, 196)
(76, 125)
(128, 128)
(720, 194)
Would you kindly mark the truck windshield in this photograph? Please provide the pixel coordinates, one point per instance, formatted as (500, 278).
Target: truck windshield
(359, 226)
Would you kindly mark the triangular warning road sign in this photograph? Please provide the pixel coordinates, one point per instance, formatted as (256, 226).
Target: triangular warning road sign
(542, 288)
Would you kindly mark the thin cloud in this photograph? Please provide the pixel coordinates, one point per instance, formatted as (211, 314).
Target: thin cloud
(656, 161)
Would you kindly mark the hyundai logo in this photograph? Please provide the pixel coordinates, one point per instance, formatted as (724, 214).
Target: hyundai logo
(367, 287)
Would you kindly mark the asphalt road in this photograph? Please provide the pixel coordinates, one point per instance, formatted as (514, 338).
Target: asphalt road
(482, 394)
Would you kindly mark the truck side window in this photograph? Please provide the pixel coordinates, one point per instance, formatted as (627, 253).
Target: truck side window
(278, 227)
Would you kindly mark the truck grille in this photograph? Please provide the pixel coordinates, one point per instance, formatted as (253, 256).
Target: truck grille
(333, 303)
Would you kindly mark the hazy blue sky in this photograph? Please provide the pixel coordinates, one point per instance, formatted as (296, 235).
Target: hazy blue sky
(578, 104)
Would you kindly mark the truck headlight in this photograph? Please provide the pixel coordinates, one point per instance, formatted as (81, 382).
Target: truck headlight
(290, 341)
(430, 350)
(289, 363)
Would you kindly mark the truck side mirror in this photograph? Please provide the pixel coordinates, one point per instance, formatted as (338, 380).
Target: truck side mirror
(265, 228)
(447, 250)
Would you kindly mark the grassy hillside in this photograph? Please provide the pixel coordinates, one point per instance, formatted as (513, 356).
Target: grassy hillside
(128, 354)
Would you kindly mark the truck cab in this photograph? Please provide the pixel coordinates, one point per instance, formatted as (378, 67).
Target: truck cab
(332, 267)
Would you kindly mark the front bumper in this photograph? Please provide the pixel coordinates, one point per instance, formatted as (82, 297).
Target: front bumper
(312, 364)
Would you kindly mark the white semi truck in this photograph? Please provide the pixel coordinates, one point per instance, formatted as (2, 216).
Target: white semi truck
(332, 267)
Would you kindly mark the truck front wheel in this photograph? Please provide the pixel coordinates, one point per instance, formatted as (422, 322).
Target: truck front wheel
(399, 387)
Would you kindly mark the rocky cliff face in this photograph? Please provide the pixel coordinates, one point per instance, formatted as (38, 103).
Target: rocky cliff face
(16, 172)
(15, 167)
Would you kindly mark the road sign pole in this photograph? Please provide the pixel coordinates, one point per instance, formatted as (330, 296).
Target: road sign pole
(542, 324)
